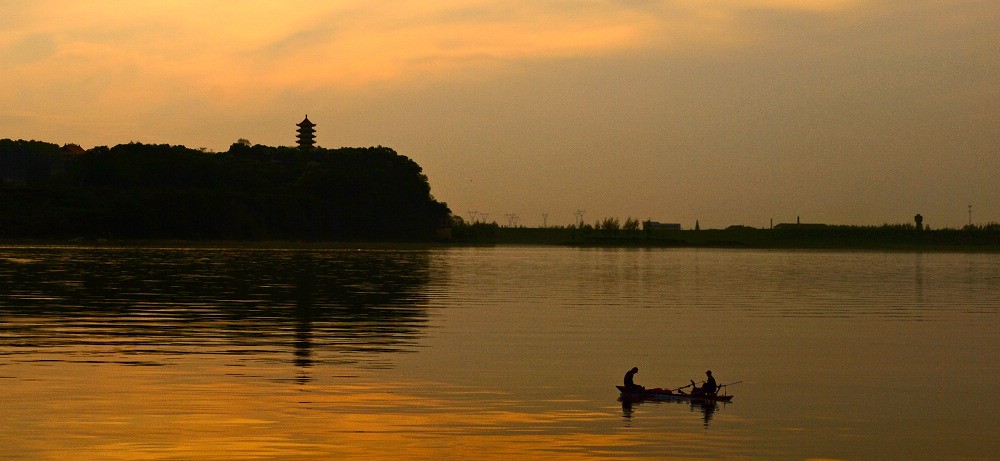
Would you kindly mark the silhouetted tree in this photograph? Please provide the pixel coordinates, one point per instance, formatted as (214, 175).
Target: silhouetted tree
(609, 225)
(631, 224)
(249, 192)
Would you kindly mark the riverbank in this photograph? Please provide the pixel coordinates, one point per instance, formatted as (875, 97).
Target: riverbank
(831, 238)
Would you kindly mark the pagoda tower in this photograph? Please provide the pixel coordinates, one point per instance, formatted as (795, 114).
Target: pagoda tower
(307, 135)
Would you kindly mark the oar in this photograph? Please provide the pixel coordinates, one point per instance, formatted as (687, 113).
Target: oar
(679, 388)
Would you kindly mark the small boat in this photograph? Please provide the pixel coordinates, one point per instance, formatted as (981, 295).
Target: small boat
(666, 394)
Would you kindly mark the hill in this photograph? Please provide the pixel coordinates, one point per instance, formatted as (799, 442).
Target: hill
(147, 191)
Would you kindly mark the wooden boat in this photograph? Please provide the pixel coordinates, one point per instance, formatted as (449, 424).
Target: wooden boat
(666, 394)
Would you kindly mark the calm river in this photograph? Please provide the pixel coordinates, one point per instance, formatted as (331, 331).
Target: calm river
(495, 353)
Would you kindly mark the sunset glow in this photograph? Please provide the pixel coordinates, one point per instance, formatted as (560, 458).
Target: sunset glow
(689, 100)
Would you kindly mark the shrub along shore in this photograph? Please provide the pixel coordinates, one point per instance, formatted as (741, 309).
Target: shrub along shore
(887, 237)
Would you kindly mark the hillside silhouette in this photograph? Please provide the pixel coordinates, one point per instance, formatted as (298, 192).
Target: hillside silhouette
(250, 192)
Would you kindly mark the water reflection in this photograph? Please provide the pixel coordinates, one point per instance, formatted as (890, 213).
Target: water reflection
(157, 302)
(270, 354)
(706, 408)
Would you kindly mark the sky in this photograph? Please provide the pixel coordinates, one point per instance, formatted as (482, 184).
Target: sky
(720, 112)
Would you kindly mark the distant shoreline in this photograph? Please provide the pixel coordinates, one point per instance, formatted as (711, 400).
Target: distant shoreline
(889, 237)
(949, 240)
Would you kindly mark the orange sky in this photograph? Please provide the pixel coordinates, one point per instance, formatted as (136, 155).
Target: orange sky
(726, 112)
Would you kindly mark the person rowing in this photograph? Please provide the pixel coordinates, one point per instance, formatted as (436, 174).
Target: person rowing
(709, 388)
(630, 385)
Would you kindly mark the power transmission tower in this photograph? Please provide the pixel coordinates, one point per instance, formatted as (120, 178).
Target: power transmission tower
(579, 217)
(545, 220)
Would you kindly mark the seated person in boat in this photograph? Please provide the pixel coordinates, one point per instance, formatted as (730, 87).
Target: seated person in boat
(630, 385)
(710, 387)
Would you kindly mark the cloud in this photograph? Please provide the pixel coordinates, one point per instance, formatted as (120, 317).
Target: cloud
(400, 40)
(230, 53)
(676, 92)
(28, 49)
(362, 40)
(227, 48)
(120, 53)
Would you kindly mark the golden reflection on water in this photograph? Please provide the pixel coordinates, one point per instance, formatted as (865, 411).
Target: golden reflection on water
(115, 412)
(494, 354)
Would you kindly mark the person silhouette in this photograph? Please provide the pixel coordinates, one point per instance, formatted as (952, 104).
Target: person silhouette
(710, 387)
(630, 385)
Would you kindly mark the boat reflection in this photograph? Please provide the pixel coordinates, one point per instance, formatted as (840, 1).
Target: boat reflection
(706, 407)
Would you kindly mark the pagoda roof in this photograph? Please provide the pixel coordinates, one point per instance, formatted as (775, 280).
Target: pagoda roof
(305, 122)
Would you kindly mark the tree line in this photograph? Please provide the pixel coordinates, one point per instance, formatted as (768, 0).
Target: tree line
(250, 192)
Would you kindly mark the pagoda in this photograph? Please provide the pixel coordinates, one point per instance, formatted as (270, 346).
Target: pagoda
(307, 135)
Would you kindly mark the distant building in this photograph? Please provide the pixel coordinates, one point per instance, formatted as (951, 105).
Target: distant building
(653, 226)
(799, 225)
(307, 134)
(72, 150)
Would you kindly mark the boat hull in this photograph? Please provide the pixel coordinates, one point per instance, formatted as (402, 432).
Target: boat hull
(667, 395)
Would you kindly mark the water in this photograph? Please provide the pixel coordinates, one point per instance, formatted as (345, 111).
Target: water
(495, 353)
